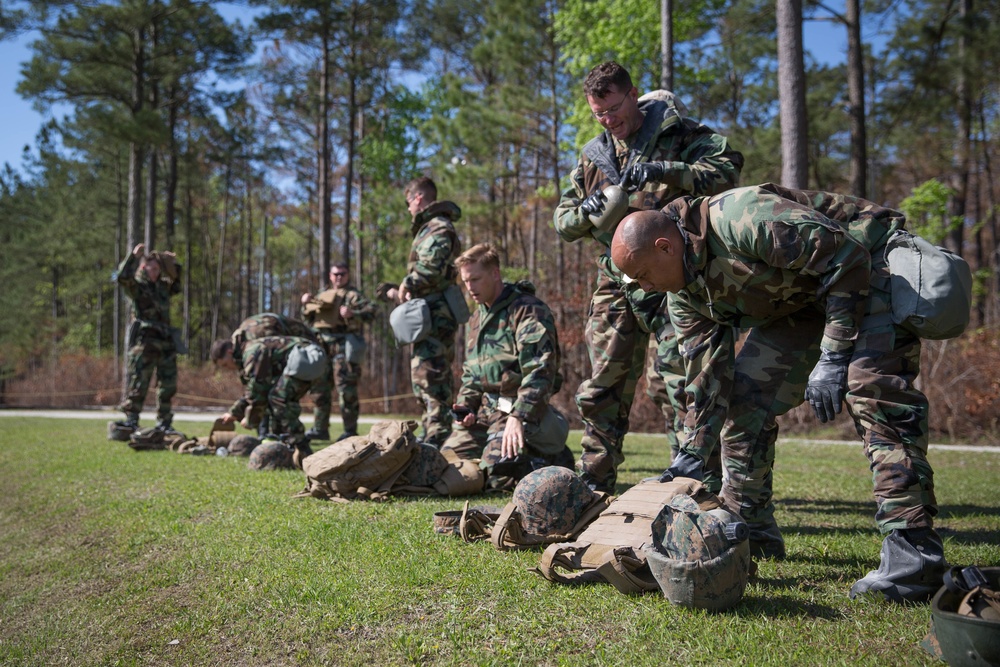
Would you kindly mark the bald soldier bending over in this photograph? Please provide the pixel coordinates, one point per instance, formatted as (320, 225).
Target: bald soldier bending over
(805, 273)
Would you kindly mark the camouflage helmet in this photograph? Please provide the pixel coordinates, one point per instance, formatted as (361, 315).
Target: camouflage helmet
(425, 467)
(271, 455)
(243, 445)
(965, 618)
(551, 500)
(700, 559)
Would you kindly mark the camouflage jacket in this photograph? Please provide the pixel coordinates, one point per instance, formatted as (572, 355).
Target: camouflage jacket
(266, 324)
(150, 300)
(758, 254)
(431, 267)
(512, 350)
(262, 365)
(701, 163)
(323, 311)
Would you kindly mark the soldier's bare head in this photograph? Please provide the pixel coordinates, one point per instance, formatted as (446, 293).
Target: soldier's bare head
(648, 247)
(479, 270)
(151, 266)
(420, 193)
(221, 353)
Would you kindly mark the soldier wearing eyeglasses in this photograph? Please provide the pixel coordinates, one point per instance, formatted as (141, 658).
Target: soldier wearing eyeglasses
(337, 315)
(654, 155)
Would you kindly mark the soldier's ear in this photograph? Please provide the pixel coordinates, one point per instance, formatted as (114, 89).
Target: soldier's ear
(664, 244)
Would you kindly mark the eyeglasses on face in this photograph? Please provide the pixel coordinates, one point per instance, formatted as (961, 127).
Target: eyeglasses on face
(339, 273)
(610, 111)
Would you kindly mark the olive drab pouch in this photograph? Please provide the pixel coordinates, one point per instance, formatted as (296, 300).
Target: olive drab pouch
(354, 348)
(459, 308)
(931, 287)
(307, 362)
(411, 321)
(361, 467)
(610, 550)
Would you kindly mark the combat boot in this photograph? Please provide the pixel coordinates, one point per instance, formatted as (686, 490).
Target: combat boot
(318, 433)
(911, 567)
(131, 421)
(344, 436)
(166, 424)
(766, 541)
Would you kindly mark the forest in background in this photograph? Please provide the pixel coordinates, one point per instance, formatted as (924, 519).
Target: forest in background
(265, 142)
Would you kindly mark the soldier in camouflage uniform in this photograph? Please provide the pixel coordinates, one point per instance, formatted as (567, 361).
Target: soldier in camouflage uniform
(430, 271)
(655, 155)
(337, 315)
(510, 373)
(149, 285)
(806, 273)
(257, 326)
(275, 378)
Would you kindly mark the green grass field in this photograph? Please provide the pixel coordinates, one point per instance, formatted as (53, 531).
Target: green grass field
(115, 557)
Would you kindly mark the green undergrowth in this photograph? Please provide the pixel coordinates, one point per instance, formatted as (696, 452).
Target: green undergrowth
(115, 557)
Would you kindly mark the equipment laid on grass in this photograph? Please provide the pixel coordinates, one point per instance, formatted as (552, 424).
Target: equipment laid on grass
(965, 618)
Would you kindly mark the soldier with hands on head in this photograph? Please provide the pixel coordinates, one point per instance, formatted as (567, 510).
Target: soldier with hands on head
(337, 316)
(276, 371)
(510, 373)
(647, 155)
(149, 280)
(805, 273)
(430, 271)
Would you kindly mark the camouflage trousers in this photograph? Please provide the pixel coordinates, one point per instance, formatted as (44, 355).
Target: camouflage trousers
(431, 375)
(283, 405)
(147, 355)
(665, 387)
(889, 412)
(616, 344)
(343, 375)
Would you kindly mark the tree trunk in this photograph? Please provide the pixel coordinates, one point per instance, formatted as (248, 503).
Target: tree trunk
(960, 177)
(324, 159)
(856, 99)
(667, 44)
(169, 205)
(792, 95)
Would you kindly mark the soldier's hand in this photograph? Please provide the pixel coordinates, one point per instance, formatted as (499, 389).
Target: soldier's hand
(306, 298)
(513, 438)
(684, 465)
(828, 383)
(227, 418)
(639, 174)
(593, 205)
(139, 250)
(346, 312)
(403, 293)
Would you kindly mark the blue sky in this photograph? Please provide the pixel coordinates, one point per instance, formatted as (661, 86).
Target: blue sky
(20, 123)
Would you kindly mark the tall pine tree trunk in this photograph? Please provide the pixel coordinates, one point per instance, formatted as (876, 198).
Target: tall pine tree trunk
(792, 95)
(856, 99)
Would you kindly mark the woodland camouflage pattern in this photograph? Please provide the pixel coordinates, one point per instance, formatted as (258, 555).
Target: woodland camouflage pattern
(271, 455)
(267, 385)
(242, 445)
(801, 269)
(431, 270)
(342, 373)
(693, 561)
(512, 351)
(425, 468)
(153, 347)
(551, 500)
(622, 315)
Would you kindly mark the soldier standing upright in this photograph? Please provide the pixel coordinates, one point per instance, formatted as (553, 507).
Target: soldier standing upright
(430, 271)
(654, 155)
(806, 272)
(337, 316)
(150, 280)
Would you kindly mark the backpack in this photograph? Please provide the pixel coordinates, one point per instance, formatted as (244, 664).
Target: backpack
(361, 466)
(610, 549)
(931, 287)
(150, 439)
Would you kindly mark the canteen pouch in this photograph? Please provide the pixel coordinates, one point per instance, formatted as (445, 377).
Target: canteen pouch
(354, 348)
(306, 362)
(931, 287)
(455, 299)
(411, 321)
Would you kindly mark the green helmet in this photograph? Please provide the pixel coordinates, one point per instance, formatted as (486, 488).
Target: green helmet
(271, 455)
(243, 445)
(551, 500)
(965, 618)
(699, 558)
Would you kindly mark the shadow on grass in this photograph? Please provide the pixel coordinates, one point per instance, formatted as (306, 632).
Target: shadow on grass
(784, 606)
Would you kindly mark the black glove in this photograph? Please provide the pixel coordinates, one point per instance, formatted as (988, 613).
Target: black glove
(684, 465)
(827, 382)
(640, 173)
(594, 204)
